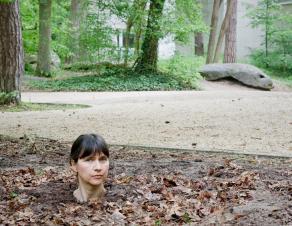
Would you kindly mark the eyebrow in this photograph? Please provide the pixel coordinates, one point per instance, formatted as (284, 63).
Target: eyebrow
(99, 155)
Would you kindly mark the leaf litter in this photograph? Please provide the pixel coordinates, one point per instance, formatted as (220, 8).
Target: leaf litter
(144, 187)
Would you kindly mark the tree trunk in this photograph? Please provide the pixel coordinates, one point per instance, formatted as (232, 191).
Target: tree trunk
(137, 41)
(44, 54)
(213, 27)
(267, 30)
(134, 19)
(11, 52)
(128, 31)
(230, 37)
(149, 56)
(223, 30)
(139, 23)
(199, 44)
(75, 35)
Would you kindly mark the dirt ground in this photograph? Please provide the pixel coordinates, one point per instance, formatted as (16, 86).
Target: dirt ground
(152, 187)
(225, 117)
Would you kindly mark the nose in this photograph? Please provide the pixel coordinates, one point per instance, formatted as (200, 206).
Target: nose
(96, 165)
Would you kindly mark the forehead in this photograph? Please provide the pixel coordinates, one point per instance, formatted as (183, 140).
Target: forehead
(96, 155)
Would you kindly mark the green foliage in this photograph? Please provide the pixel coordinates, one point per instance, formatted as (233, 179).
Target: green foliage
(182, 18)
(30, 26)
(39, 107)
(277, 25)
(183, 69)
(29, 18)
(96, 37)
(99, 68)
(60, 28)
(275, 60)
(7, 98)
(284, 77)
(6, 1)
(46, 74)
(118, 78)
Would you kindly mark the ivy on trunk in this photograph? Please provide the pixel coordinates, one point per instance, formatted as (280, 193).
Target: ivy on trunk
(147, 61)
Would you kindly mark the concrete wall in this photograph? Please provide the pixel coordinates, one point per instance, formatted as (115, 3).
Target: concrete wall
(248, 38)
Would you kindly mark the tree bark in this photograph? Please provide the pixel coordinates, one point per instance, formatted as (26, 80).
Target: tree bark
(128, 31)
(223, 30)
(230, 37)
(213, 27)
(137, 40)
(149, 56)
(44, 49)
(11, 51)
(75, 15)
(199, 44)
(134, 19)
(139, 23)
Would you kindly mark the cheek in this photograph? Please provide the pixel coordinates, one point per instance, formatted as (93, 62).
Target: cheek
(106, 168)
(83, 168)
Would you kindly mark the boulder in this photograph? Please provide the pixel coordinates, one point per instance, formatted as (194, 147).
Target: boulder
(55, 59)
(30, 59)
(244, 73)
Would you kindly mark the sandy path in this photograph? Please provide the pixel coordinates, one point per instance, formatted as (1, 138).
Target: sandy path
(245, 121)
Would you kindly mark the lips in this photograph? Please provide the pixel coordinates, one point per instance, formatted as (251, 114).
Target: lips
(97, 176)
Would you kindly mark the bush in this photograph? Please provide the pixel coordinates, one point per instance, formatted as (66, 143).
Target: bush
(274, 61)
(183, 69)
(8, 98)
(276, 23)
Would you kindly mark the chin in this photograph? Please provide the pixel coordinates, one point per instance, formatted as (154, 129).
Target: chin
(96, 183)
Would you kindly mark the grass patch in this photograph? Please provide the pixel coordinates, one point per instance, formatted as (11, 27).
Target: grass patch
(178, 73)
(39, 107)
(282, 77)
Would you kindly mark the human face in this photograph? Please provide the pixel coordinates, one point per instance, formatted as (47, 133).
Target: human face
(92, 170)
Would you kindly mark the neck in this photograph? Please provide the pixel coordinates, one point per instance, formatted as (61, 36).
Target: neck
(86, 192)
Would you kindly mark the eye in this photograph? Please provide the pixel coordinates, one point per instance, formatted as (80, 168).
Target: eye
(262, 76)
(89, 159)
(103, 158)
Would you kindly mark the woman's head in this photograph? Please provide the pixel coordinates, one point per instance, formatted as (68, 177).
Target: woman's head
(90, 160)
(88, 145)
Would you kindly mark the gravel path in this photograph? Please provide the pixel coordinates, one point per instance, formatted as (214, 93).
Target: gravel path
(244, 121)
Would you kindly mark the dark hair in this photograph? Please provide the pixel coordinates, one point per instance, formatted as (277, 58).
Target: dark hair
(87, 145)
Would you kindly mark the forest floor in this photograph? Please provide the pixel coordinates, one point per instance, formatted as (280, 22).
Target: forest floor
(145, 187)
(226, 117)
(206, 178)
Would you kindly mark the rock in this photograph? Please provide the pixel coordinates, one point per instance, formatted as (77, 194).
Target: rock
(30, 59)
(244, 73)
(55, 59)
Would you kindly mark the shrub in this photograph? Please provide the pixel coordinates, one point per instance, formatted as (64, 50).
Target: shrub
(183, 69)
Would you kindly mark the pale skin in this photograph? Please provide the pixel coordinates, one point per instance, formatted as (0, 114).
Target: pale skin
(91, 171)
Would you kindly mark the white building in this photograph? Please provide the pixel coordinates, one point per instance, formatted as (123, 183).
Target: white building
(248, 38)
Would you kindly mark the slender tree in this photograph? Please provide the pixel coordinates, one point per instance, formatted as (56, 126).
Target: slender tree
(149, 56)
(133, 19)
(199, 44)
(11, 52)
(222, 32)
(213, 27)
(230, 37)
(138, 33)
(75, 13)
(44, 50)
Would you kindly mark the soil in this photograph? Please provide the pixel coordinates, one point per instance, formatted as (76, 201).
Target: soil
(239, 120)
(152, 187)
